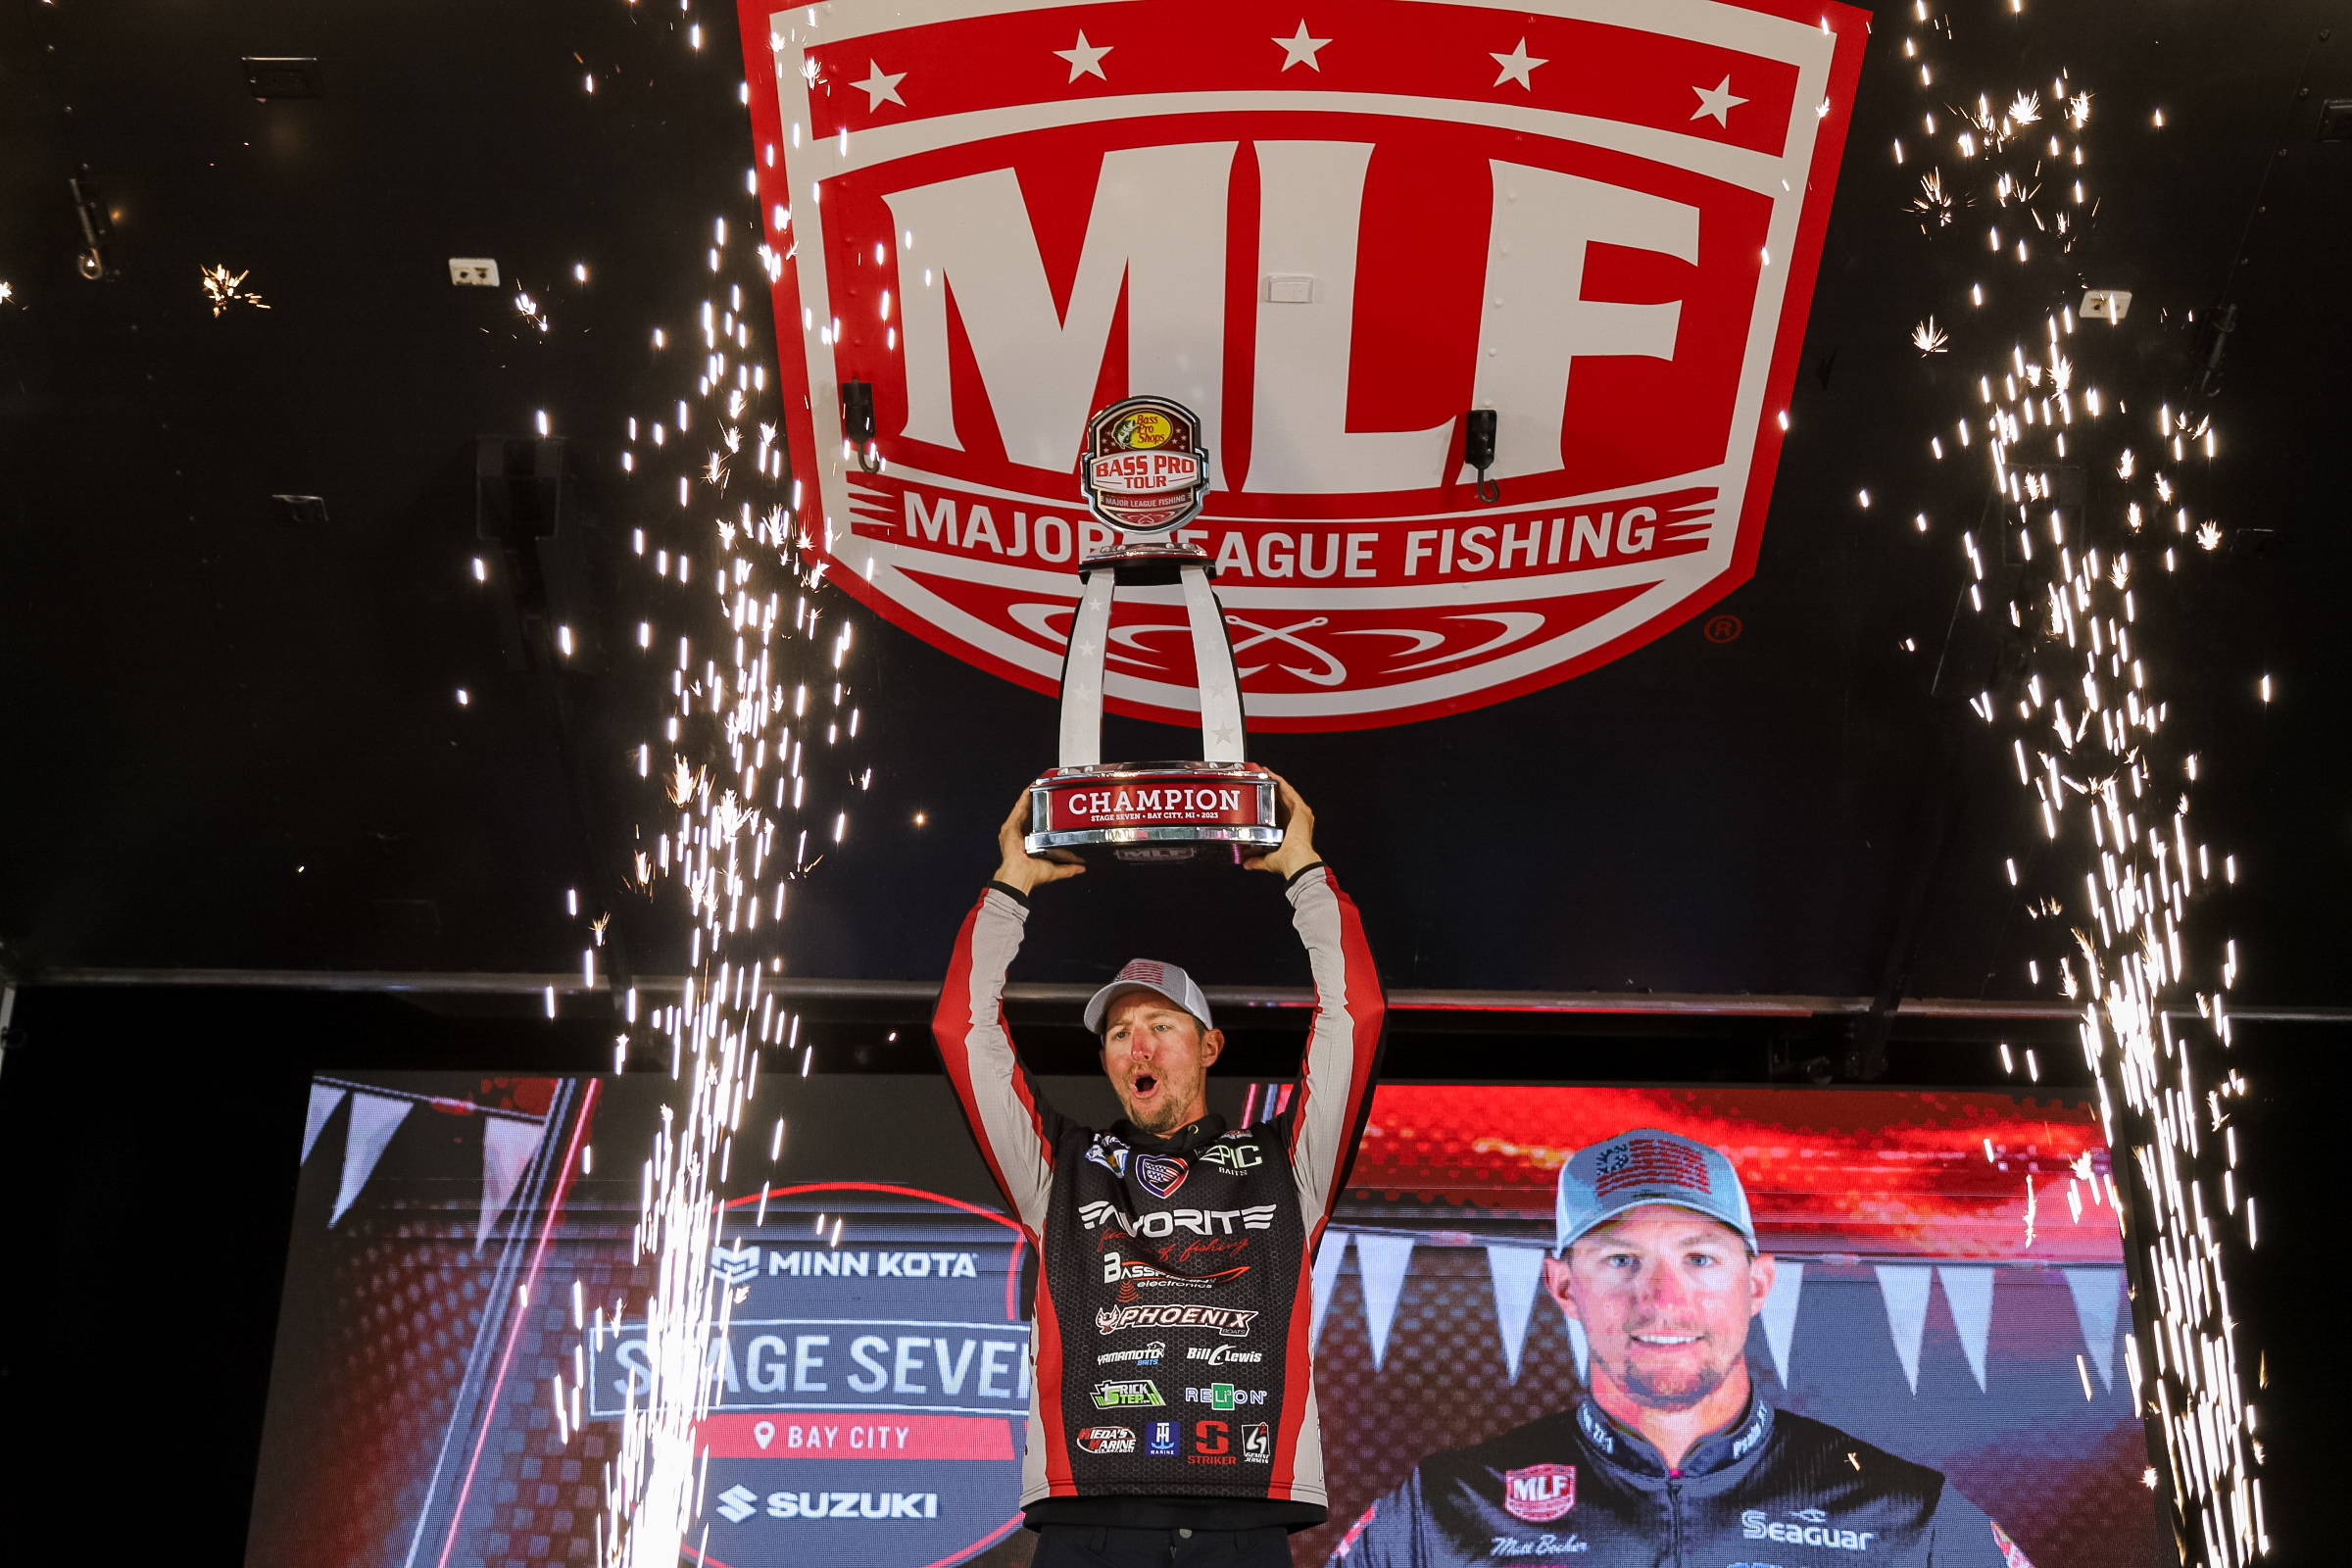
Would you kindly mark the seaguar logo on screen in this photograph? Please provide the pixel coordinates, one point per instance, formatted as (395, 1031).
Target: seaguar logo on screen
(1599, 225)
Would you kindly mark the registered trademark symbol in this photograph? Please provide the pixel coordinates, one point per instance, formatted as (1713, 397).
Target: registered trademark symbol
(1723, 628)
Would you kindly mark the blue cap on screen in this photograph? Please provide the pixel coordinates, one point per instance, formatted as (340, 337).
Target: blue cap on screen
(1606, 1179)
(1161, 979)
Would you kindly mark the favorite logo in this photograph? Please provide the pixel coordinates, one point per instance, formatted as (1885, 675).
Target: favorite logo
(1538, 1494)
(1161, 1174)
(1605, 235)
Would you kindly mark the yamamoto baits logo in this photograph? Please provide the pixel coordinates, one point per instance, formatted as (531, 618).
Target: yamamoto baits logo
(868, 1398)
(988, 247)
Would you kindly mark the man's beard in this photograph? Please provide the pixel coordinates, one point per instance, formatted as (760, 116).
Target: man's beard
(1681, 1393)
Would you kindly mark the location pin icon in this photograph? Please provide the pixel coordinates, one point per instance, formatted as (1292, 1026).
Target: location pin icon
(764, 1433)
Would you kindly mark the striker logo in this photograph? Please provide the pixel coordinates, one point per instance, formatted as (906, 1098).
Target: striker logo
(1610, 243)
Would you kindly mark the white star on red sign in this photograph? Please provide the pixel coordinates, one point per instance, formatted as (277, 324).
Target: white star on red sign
(881, 88)
(1086, 60)
(1518, 66)
(1300, 50)
(1716, 103)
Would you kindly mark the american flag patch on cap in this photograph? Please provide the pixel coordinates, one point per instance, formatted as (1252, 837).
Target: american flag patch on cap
(1649, 1162)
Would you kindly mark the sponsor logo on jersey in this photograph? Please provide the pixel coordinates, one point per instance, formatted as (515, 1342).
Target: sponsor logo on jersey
(1757, 1525)
(1130, 1275)
(1212, 1443)
(1597, 1431)
(1108, 1439)
(737, 1504)
(1161, 1174)
(1168, 1221)
(1234, 1159)
(1224, 1355)
(1110, 1153)
(1230, 1322)
(1225, 1397)
(1538, 1494)
(1163, 1438)
(1147, 1355)
(1115, 1393)
(1257, 1444)
(1549, 1545)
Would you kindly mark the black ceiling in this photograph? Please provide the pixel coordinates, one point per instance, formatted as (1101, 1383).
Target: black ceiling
(233, 728)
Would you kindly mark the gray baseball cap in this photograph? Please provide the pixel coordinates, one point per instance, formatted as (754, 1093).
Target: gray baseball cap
(1161, 979)
(1606, 1179)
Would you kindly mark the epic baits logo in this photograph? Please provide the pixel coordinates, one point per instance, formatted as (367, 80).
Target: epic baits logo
(1600, 224)
(1538, 1494)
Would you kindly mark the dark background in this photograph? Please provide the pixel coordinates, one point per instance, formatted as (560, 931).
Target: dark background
(235, 745)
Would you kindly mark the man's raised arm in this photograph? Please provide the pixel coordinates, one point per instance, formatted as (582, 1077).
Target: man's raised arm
(1343, 1047)
(1013, 1126)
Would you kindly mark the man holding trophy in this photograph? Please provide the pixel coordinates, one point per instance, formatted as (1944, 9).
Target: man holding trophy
(1172, 1412)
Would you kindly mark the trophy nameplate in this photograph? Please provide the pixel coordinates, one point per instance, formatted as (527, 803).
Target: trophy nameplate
(1145, 473)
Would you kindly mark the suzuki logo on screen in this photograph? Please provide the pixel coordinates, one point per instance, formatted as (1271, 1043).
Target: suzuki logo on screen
(1601, 228)
(868, 1400)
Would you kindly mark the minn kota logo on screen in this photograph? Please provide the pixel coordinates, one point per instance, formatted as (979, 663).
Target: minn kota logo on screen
(870, 1390)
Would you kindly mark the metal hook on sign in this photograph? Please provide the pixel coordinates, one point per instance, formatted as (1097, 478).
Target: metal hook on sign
(857, 422)
(97, 228)
(1478, 450)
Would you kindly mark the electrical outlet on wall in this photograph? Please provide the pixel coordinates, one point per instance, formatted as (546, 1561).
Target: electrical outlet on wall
(473, 272)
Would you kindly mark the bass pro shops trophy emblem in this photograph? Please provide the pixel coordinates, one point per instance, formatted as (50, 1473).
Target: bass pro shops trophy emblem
(1145, 473)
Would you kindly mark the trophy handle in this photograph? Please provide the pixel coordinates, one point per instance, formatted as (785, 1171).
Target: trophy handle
(1082, 671)
(1212, 661)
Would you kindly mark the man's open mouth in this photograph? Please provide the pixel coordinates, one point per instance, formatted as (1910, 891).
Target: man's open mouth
(1144, 1083)
(1667, 1339)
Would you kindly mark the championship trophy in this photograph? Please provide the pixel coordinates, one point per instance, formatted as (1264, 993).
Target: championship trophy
(1145, 473)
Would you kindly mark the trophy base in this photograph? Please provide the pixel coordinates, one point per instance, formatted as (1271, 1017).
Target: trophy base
(1152, 810)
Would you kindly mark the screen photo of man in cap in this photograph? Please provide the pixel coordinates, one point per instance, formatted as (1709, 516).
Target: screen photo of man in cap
(1673, 1457)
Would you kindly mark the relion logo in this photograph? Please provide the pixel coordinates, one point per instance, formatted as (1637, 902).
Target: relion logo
(1600, 222)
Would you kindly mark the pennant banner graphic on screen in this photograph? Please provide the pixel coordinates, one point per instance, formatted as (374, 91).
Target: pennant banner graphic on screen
(1905, 1287)
(2099, 1293)
(1382, 1261)
(325, 1099)
(1517, 1272)
(1780, 1316)
(373, 1117)
(1968, 1291)
(1326, 1275)
(507, 1145)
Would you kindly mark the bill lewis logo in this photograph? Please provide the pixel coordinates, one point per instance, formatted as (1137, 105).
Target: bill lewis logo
(1602, 225)
(1538, 1494)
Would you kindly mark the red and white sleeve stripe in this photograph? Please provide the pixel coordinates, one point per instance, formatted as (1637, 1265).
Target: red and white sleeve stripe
(1343, 1048)
(1012, 1125)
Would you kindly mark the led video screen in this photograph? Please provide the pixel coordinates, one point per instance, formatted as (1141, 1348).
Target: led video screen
(1938, 1296)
